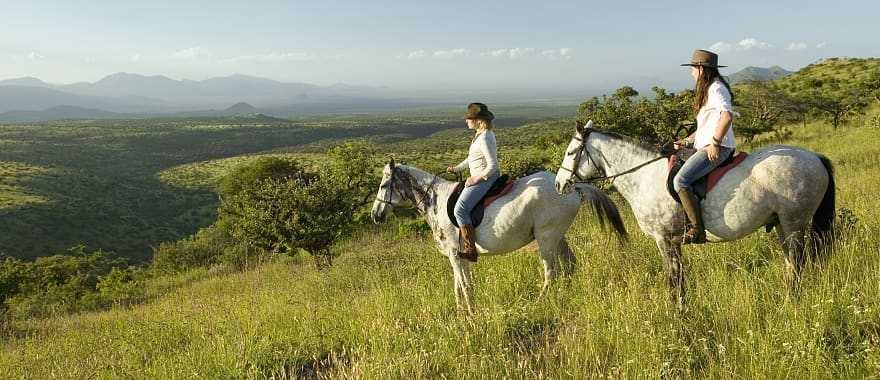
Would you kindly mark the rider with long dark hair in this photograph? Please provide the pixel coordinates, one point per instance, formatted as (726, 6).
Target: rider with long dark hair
(713, 139)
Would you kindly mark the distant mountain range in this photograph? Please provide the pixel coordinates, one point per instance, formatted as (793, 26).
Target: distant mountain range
(26, 99)
(761, 74)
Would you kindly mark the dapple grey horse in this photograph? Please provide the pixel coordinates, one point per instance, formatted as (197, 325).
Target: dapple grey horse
(532, 210)
(778, 186)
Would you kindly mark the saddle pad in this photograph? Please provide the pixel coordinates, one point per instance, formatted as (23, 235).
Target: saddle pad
(499, 188)
(703, 185)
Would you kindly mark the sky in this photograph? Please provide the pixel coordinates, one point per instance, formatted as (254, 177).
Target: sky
(426, 45)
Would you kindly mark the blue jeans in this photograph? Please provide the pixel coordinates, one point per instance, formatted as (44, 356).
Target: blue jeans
(698, 166)
(469, 198)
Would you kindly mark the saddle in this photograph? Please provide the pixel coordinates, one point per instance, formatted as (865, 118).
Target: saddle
(703, 185)
(501, 186)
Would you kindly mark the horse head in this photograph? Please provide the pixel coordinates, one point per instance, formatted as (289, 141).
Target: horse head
(387, 196)
(574, 167)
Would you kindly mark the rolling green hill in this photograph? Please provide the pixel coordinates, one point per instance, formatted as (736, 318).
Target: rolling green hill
(386, 309)
(834, 75)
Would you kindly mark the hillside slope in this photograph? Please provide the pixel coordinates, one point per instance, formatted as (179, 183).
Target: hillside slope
(386, 310)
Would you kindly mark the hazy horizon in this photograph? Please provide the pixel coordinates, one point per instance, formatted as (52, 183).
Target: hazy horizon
(568, 46)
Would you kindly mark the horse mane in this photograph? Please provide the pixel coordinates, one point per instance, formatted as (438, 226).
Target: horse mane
(631, 140)
(410, 189)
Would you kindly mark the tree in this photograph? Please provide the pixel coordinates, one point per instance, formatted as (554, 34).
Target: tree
(292, 209)
(287, 215)
(871, 86)
(835, 103)
(762, 106)
(651, 120)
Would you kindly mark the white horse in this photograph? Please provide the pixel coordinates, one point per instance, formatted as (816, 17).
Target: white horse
(532, 210)
(777, 186)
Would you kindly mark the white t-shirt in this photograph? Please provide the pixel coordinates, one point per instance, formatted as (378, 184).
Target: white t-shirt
(717, 101)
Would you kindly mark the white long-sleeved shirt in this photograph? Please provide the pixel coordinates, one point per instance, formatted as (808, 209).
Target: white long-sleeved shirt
(482, 157)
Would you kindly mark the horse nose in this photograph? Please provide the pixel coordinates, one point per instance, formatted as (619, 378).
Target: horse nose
(558, 187)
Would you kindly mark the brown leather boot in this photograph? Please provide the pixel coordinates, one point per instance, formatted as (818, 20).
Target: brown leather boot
(467, 246)
(696, 234)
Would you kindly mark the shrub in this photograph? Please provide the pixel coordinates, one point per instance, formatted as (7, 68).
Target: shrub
(522, 164)
(64, 283)
(203, 249)
(122, 286)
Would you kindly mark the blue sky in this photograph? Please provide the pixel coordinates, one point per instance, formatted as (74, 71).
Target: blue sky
(426, 45)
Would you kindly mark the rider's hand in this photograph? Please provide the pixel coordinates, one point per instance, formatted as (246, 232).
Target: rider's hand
(712, 152)
(472, 180)
(680, 144)
(450, 169)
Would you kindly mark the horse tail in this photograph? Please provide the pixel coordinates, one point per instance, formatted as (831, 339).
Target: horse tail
(822, 233)
(604, 208)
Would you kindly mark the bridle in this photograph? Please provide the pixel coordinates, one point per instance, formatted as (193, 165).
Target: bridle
(389, 186)
(581, 137)
(421, 204)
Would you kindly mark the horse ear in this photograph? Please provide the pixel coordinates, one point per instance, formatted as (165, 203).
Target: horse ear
(589, 124)
(391, 162)
(579, 127)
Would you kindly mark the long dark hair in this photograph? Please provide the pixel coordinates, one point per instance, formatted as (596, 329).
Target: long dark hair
(701, 92)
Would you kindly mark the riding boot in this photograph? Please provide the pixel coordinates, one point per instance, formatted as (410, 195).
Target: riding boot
(467, 246)
(696, 234)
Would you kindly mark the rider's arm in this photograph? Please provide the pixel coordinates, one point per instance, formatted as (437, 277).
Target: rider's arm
(722, 102)
(461, 166)
(724, 121)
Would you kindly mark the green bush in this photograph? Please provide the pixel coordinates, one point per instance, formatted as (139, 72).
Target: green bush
(66, 283)
(203, 249)
(522, 164)
(286, 209)
(122, 286)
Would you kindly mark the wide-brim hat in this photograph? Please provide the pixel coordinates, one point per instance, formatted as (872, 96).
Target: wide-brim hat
(703, 58)
(478, 111)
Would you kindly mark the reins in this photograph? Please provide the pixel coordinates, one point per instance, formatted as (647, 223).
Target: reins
(582, 149)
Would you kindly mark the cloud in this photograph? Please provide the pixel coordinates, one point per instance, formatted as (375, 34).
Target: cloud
(721, 47)
(446, 54)
(821, 45)
(136, 57)
(191, 54)
(796, 46)
(33, 56)
(416, 54)
(562, 53)
(751, 43)
(743, 45)
(275, 57)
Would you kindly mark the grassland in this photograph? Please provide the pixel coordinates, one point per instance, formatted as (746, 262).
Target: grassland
(386, 310)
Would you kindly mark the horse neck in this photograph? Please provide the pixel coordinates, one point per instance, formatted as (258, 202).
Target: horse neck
(427, 182)
(616, 155)
(424, 179)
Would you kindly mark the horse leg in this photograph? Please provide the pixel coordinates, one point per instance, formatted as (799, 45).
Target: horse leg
(548, 249)
(462, 281)
(674, 271)
(791, 236)
(567, 260)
